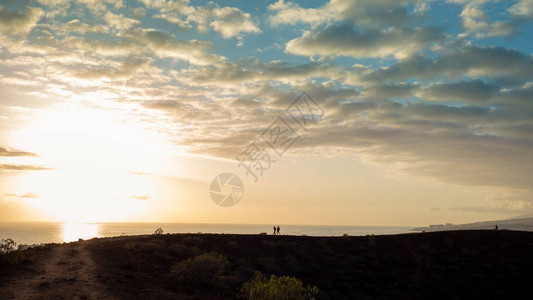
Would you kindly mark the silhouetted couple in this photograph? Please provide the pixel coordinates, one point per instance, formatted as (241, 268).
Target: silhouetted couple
(276, 230)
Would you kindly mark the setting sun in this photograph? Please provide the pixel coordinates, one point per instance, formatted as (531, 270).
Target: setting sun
(278, 149)
(95, 154)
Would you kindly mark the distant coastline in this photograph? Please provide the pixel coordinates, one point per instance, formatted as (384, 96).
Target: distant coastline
(35, 233)
(522, 224)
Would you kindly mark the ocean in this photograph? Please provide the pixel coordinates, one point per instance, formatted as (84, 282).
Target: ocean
(35, 233)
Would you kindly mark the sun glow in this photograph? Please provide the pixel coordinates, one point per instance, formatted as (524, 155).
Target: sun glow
(75, 231)
(95, 155)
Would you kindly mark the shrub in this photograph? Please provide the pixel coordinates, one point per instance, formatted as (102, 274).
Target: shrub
(192, 241)
(180, 251)
(200, 271)
(10, 254)
(277, 288)
(152, 246)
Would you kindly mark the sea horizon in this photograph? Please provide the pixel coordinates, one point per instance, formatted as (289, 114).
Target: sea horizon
(36, 233)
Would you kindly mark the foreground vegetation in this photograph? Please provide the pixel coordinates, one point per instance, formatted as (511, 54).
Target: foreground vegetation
(460, 264)
(10, 253)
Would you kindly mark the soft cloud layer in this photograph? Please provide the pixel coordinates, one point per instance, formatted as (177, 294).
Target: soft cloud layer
(442, 94)
(16, 167)
(9, 152)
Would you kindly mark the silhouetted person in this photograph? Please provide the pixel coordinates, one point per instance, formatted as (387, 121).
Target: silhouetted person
(274, 229)
(278, 229)
(495, 227)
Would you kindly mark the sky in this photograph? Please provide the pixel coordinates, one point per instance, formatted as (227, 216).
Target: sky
(340, 112)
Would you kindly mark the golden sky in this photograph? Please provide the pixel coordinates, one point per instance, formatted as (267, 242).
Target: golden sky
(119, 110)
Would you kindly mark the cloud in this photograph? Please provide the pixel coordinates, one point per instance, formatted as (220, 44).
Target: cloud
(232, 22)
(15, 167)
(139, 12)
(504, 66)
(228, 21)
(440, 142)
(523, 8)
(172, 19)
(236, 74)
(477, 24)
(119, 22)
(370, 14)
(141, 197)
(347, 41)
(177, 6)
(474, 91)
(473, 18)
(141, 173)
(163, 45)
(415, 100)
(144, 42)
(8, 152)
(19, 22)
(80, 27)
(29, 195)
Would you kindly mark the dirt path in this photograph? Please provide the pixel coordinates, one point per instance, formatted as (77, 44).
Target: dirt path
(63, 272)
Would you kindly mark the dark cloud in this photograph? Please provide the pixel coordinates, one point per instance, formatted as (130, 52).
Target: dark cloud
(19, 22)
(370, 14)
(502, 65)
(474, 91)
(345, 40)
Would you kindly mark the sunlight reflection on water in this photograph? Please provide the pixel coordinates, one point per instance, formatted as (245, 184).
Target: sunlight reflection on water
(74, 231)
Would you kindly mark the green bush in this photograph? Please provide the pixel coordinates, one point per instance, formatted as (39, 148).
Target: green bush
(10, 254)
(277, 288)
(200, 271)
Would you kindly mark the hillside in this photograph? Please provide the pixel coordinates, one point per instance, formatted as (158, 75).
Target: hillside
(438, 265)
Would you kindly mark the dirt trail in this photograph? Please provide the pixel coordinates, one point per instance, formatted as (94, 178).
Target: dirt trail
(63, 272)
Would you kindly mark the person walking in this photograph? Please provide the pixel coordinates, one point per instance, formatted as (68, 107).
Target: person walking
(274, 229)
(278, 230)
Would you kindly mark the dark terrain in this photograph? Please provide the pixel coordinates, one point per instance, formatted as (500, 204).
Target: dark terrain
(473, 264)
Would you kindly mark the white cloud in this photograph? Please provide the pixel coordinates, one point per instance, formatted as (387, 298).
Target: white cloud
(474, 21)
(374, 14)
(477, 24)
(119, 22)
(228, 21)
(232, 22)
(170, 18)
(524, 8)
